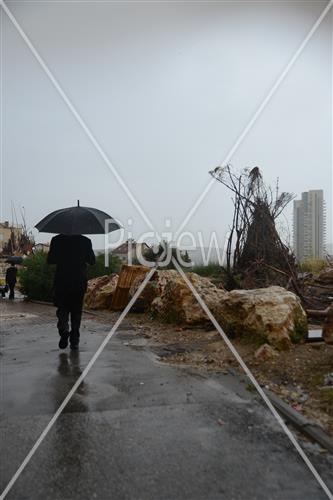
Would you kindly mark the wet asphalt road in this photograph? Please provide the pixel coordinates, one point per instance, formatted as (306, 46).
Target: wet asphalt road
(136, 428)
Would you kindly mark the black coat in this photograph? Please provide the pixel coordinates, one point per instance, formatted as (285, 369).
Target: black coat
(71, 254)
(11, 275)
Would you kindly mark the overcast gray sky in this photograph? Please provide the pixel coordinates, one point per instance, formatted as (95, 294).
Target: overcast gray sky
(166, 88)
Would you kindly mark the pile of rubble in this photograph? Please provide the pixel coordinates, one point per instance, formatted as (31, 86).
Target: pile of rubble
(168, 297)
(272, 315)
(269, 314)
(318, 294)
(318, 290)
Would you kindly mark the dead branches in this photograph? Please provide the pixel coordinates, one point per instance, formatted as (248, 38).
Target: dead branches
(255, 251)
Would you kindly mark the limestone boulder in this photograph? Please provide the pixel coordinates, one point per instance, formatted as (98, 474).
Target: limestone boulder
(265, 353)
(151, 291)
(100, 291)
(176, 303)
(272, 314)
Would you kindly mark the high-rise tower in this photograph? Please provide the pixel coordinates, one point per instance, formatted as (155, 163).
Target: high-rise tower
(309, 225)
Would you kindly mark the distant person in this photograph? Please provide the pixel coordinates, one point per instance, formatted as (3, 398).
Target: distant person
(71, 254)
(11, 274)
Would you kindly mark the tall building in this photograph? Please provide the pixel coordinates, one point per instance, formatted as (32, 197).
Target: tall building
(309, 225)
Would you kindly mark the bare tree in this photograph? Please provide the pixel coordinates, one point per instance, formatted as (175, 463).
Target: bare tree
(20, 241)
(255, 250)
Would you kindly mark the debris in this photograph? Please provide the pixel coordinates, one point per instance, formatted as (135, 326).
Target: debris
(326, 276)
(328, 326)
(265, 352)
(315, 336)
(303, 398)
(328, 380)
(300, 384)
(318, 291)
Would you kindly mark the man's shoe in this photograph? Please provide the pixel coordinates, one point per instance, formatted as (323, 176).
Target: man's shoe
(63, 342)
(74, 340)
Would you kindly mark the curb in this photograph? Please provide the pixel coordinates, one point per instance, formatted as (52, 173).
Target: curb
(307, 427)
(41, 302)
(86, 311)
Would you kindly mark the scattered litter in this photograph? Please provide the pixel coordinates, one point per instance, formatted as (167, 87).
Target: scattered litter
(303, 398)
(220, 422)
(328, 380)
(315, 336)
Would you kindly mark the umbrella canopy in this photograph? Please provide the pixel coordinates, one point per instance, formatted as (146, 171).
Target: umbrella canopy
(14, 259)
(77, 220)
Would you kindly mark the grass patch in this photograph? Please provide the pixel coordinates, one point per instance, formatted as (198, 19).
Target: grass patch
(250, 387)
(210, 271)
(316, 380)
(314, 266)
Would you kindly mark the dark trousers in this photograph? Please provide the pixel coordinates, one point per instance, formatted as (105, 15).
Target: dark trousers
(69, 307)
(11, 287)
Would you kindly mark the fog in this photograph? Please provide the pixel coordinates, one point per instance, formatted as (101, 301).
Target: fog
(166, 89)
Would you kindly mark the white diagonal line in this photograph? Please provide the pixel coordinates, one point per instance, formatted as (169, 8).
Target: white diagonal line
(1, 111)
(76, 114)
(164, 1)
(259, 111)
(253, 380)
(75, 386)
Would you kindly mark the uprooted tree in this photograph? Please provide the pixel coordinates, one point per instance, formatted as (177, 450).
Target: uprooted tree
(255, 254)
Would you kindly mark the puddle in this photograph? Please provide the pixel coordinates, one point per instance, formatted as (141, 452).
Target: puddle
(8, 316)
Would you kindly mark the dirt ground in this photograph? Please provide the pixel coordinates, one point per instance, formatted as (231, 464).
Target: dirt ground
(297, 375)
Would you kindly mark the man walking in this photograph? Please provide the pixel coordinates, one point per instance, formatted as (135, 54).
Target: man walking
(71, 254)
(11, 274)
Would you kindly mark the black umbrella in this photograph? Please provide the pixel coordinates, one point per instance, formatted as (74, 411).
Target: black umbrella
(77, 220)
(14, 259)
